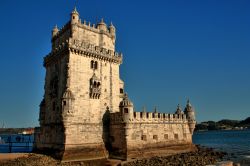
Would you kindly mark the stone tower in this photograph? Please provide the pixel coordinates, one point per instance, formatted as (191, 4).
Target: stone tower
(82, 81)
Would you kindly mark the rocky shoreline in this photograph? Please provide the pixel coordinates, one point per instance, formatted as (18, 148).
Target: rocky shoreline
(201, 157)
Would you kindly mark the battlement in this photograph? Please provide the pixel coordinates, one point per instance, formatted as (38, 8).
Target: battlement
(61, 31)
(148, 117)
(96, 28)
(97, 34)
(85, 49)
(93, 40)
(87, 26)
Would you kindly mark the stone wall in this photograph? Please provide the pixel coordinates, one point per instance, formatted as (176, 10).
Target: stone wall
(145, 132)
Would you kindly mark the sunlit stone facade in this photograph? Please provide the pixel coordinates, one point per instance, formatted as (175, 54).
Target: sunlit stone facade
(85, 114)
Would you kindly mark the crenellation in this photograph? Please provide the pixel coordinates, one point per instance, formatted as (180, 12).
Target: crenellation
(61, 31)
(148, 117)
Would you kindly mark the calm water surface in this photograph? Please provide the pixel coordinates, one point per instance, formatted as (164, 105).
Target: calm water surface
(19, 143)
(236, 142)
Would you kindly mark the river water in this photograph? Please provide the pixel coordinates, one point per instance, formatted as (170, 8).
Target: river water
(16, 143)
(234, 142)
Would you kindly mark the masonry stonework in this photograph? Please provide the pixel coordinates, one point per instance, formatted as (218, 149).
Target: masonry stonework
(85, 114)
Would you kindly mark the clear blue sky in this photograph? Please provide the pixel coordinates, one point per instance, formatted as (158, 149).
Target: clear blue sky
(173, 50)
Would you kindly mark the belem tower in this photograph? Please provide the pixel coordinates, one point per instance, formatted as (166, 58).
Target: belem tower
(85, 113)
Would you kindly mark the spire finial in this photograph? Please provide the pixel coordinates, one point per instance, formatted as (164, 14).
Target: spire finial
(75, 11)
(188, 102)
(155, 109)
(75, 5)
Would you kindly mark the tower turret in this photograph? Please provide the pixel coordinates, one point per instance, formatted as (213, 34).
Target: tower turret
(178, 110)
(55, 31)
(126, 108)
(112, 31)
(189, 111)
(74, 16)
(102, 26)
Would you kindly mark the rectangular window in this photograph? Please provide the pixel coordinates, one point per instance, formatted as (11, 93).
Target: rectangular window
(121, 90)
(175, 136)
(144, 137)
(155, 137)
(64, 103)
(125, 110)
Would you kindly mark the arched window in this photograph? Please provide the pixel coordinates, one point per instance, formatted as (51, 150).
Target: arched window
(96, 65)
(92, 64)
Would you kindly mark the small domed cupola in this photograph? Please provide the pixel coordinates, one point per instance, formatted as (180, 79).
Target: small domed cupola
(189, 107)
(179, 110)
(74, 16)
(55, 31)
(112, 28)
(126, 108)
(112, 31)
(126, 101)
(102, 26)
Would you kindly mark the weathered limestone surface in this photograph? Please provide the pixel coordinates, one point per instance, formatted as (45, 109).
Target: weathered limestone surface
(85, 114)
(136, 134)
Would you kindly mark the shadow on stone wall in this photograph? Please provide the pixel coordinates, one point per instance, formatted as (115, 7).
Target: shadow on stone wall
(106, 130)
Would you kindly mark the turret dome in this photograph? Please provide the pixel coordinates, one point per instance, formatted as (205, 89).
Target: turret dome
(75, 11)
(189, 107)
(101, 25)
(126, 101)
(111, 26)
(74, 16)
(55, 31)
(178, 110)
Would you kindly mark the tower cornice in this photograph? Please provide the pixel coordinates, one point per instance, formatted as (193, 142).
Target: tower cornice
(84, 49)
